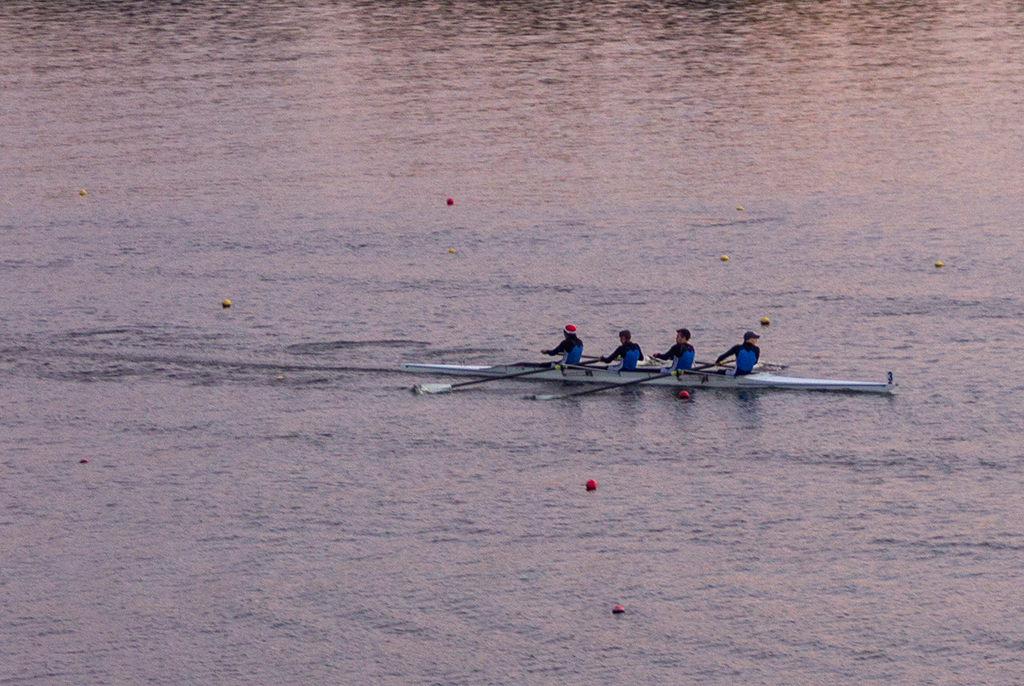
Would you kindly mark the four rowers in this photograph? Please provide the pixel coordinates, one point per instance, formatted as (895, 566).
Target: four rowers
(681, 354)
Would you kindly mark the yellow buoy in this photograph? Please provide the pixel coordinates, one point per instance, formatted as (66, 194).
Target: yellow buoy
(280, 378)
(225, 303)
(765, 321)
(938, 264)
(740, 208)
(451, 250)
(82, 193)
(724, 258)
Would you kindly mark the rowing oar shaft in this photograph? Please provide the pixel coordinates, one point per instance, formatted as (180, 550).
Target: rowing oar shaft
(616, 385)
(596, 390)
(446, 387)
(694, 370)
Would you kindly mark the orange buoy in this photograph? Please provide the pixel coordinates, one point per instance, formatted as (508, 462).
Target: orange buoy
(684, 395)
(618, 610)
(591, 485)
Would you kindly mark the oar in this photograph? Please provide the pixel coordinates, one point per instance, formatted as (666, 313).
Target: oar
(598, 390)
(447, 387)
(634, 382)
(695, 370)
(761, 366)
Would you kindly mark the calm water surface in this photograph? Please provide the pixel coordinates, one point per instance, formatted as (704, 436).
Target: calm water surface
(259, 508)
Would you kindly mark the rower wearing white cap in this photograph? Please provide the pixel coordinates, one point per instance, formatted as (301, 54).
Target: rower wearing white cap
(746, 354)
(571, 347)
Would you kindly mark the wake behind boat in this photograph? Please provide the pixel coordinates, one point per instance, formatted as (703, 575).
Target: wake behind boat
(688, 379)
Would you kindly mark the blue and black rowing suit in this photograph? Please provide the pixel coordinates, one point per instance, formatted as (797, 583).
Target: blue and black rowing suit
(746, 354)
(571, 349)
(629, 352)
(681, 355)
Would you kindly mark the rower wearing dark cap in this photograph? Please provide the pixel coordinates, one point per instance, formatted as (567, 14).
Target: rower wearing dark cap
(571, 347)
(681, 353)
(746, 354)
(629, 352)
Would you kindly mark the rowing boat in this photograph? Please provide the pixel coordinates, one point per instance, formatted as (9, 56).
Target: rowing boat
(688, 380)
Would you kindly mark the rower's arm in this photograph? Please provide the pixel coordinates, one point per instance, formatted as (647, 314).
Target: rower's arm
(618, 353)
(557, 351)
(728, 353)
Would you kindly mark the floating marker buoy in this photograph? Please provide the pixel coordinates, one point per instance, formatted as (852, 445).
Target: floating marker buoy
(83, 461)
(82, 193)
(938, 264)
(225, 303)
(618, 610)
(280, 378)
(740, 208)
(724, 258)
(591, 485)
(684, 395)
(451, 250)
(765, 321)
(451, 201)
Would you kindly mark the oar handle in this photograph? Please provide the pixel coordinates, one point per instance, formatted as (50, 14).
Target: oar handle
(714, 364)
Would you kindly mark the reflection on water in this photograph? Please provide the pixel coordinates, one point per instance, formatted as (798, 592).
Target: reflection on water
(560, 102)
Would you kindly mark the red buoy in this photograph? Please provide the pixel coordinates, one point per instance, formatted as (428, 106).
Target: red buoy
(83, 461)
(591, 485)
(451, 201)
(618, 610)
(684, 395)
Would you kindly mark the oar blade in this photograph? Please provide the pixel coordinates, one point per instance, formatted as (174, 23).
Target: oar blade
(431, 388)
(542, 397)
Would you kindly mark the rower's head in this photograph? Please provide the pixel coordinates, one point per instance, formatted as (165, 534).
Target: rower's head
(569, 330)
(625, 336)
(682, 335)
(750, 337)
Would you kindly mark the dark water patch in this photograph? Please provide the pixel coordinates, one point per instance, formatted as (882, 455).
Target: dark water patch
(723, 223)
(939, 546)
(71, 365)
(998, 308)
(999, 640)
(97, 332)
(331, 346)
(469, 351)
(619, 303)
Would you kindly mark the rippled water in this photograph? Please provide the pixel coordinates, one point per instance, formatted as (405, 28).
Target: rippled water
(265, 502)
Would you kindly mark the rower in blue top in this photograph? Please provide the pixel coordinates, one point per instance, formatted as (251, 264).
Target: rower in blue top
(681, 353)
(571, 347)
(629, 352)
(746, 354)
